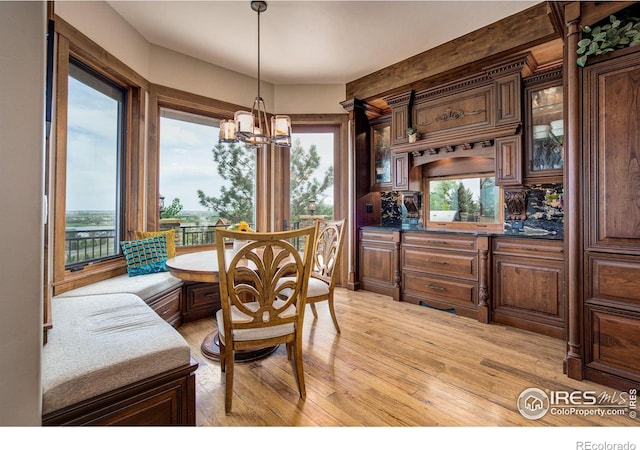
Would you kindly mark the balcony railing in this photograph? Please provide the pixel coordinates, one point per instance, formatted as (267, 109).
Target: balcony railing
(93, 243)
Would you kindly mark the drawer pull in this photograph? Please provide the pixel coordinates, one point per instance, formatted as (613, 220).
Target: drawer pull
(435, 288)
(442, 263)
(165, 312)
(438, 242)
(212, 294)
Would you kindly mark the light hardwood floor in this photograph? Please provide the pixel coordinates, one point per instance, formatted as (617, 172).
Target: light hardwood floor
(395, 364)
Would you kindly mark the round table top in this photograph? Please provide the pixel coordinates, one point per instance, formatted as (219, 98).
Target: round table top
(196, 266)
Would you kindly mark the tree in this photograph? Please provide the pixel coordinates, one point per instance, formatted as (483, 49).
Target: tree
(236, 164)
(173, 210)
(441, 197)
(305, 188)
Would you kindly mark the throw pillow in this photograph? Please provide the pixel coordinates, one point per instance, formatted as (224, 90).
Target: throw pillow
(145, 256)
(171, 239)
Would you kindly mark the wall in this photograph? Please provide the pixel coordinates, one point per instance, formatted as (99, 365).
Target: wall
(22, 79)
(98, 21)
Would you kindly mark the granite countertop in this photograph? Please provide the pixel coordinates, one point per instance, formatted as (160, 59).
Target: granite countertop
(528, 233)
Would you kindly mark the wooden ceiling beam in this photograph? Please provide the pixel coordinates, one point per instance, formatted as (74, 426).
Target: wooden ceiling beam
(521, 31)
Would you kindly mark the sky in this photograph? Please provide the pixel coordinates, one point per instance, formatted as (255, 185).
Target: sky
(186, 157)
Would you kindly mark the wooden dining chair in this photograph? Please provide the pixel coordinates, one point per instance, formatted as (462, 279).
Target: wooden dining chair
(255, 313)
(324, 272)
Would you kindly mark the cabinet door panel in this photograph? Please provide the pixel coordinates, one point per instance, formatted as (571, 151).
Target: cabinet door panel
(614, 279)
(613, 91)
(376, 263)
(528, 287)
(529, 294)
(509, 161)
(613, 340)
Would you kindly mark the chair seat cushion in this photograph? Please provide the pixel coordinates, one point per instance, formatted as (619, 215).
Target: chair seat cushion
(103, 342)
(316, 287)
(250, 334)
(144, 286)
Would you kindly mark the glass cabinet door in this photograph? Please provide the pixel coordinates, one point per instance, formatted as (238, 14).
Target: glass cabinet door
(545, 131)
(381, 156)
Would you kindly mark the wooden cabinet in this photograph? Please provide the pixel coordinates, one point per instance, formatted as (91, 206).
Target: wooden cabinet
(509, 161)
(400, 116)
(508, 99)
(381, 155)
(400, 172)
(200, 300)
(528, 285)
(379, 262)
(611, 158)
(445, 271)
(544, 127)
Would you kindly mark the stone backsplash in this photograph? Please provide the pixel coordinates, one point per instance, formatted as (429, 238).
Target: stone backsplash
(545, 210)
(544, 213)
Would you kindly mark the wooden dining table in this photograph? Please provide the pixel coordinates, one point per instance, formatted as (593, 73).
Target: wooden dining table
(203, 267)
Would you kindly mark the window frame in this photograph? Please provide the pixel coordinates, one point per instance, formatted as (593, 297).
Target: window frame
(121, 199)
(70, 44)
(174, 99)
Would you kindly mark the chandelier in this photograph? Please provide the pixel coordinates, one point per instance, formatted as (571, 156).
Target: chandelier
(252, 127)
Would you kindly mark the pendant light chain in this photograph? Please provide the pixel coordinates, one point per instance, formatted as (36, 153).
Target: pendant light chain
(252, 128)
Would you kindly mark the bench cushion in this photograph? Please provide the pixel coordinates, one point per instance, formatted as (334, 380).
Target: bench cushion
(103, 342)
(144, 286)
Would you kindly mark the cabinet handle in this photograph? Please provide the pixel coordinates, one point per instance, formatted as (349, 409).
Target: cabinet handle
(438, 242)
(435, 288)
(212, 294)
(442, 263)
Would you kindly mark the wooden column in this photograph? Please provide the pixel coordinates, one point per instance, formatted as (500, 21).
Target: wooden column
(572, 365)
(483, 280)
(358, 161)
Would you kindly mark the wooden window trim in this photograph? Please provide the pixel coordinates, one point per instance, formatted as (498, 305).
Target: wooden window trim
(71, 43)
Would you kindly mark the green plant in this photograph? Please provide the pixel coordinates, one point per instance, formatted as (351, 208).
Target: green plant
(601, 39)
(411, 131)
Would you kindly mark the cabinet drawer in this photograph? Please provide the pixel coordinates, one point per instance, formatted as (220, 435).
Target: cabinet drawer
(372, 235)
(441, 241)
(201, 300)
(612, 340)
(168, 307)
(429, 286)
(534, 248)
(614, 279)
(462, 265)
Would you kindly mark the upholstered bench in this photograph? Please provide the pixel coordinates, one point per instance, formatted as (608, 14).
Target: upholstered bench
(110, 359)
(161, 291)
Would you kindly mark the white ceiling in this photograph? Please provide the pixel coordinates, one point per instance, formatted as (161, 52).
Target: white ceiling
(304, 42)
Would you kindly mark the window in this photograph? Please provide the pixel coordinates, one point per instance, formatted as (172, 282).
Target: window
(464, 202)
(95, 157)
(312, 176)
(202, 183)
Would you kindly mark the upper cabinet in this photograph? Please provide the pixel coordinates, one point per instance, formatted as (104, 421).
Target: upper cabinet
(381, 155)
(544, 127)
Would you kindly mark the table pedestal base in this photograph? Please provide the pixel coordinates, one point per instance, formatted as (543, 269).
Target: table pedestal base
(211, 349)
